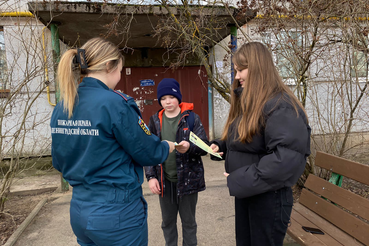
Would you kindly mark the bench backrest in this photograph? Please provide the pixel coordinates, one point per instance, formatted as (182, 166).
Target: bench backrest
(342, 205)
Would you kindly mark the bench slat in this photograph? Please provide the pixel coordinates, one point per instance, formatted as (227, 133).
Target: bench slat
(306, 238)
(352, 202)
(350, 169)
(336, 216)
(326, 226)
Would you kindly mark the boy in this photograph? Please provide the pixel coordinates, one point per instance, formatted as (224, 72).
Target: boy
(179, 179)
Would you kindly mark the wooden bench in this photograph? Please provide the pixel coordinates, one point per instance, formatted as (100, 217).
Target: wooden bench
(330, 208)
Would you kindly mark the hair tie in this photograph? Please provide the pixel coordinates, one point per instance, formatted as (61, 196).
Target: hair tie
(80, 59)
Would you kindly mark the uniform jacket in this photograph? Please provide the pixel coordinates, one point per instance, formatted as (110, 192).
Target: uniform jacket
(190, 170)
(275, 158)
(105, 142)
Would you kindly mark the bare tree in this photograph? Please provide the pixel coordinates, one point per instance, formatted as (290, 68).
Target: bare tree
(321, 48)
(186, 31)
(24, 114)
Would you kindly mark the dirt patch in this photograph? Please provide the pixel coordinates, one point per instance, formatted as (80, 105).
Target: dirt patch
(17, 208)
(33, 183)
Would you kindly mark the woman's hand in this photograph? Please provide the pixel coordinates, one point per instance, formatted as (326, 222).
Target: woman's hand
(183, 147)
(171, 146)
(154, 186)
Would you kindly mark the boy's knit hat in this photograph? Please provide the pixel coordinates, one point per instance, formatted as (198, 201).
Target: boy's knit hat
(169, 86)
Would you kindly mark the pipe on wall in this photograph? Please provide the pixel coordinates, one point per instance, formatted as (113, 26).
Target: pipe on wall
(29, 14)
(210, 109)
(56, 53)
(16, 14)
(56, 58)
(46, 69)
(233, 49)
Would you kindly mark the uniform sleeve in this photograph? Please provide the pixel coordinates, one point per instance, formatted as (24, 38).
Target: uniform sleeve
(145, 148)
(287, 139)
(150, 171)
(199, 131)
(55, 160)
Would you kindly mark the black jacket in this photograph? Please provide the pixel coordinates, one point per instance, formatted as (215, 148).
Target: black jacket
(190, 169)
(275, 158)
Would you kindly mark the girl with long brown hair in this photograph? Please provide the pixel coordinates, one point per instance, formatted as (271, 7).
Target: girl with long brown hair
(265, 143)
(100, 145)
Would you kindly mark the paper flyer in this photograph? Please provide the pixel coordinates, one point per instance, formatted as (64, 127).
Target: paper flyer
(198, 142)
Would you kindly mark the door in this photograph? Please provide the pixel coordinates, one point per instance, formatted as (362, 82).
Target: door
(141, 84)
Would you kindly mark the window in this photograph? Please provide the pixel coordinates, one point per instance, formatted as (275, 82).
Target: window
(4, 91)
(359, 62)
(288, 42)
(285, 46)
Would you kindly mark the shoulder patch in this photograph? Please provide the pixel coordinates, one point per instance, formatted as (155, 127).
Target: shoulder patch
(143, 126)
(126, 97)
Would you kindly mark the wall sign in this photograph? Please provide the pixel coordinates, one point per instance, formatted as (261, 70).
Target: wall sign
(147, 82)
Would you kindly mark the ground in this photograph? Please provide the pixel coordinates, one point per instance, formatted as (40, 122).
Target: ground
(17, 208)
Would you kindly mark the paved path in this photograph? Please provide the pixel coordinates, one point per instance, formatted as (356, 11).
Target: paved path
(215, 216)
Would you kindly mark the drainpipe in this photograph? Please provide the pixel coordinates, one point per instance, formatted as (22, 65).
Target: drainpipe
(233, 49)
(210, 109)
(56, 54)
(47, 82)
(56, 57)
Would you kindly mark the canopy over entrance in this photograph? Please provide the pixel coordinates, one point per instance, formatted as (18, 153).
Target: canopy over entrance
(130, 26)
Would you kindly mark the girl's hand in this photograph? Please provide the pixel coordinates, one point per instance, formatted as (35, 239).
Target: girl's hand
(226, 174)
(215, 149)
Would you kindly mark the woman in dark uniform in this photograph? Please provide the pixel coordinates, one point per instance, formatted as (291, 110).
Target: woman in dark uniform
(100, 145)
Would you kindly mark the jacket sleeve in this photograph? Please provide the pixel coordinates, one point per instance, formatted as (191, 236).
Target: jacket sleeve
(199, 131)
(145, 148)
(287, 140)
(152, 127)
(150, 171)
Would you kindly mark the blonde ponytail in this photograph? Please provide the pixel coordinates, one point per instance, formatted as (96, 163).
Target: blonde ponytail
(67, 81)
(100, 56)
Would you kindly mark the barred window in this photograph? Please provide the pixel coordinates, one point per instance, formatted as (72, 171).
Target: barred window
(285, 55)
(3, 67)
(2, 60)
(359, 61)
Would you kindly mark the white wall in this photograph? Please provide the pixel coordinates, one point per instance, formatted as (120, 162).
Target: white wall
(13, 6)
(27, 75)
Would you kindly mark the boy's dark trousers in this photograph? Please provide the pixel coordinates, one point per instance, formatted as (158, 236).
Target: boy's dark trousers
(263, 219)
(170, 205)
